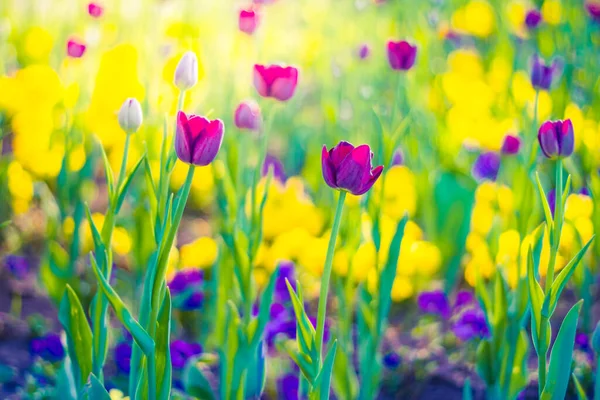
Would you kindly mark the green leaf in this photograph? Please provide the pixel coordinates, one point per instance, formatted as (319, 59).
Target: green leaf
(79, 336)
(149, 178)
(95, 390)
(547, 212)
(5, 224)
(264, 310)
(303, 362)
(566, 191)
(565, 274)
(163, 352)
(140, 336)
(324, 378)
(559, 370)
(122, 193)
(500, 300)
(536, 295)
(578, 388)
(196, 383)
(345, 381)
(99, 246)
(110, 180)
(467, 392)
(386, 279)
(256, 374)
(485, 363)
(306, 337)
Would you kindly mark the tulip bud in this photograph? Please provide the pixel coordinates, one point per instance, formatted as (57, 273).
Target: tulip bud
(557, 139)
(401, 55)
(596, 339)
(247, 116)
(542, 75)
(186, 73)
(511, 145)
(197, 139)
(248, 21)
(130, 116)
(348, 168)
(95, 10)
(533, 18)
(275, 81)
(75, 48)
(272, 162)
(364, 51)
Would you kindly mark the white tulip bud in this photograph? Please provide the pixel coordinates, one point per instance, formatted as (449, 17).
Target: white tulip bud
(130, 115)
(186, 73)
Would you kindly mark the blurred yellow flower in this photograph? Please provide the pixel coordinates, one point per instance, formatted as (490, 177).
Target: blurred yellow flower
(476, 18)
(552, 12)
(201, 253)
(37, 44)
(20, 186)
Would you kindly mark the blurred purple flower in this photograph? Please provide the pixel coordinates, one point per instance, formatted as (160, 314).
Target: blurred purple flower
(593, 9)
(401, 55)
(123, 357)
(486, 166)
(276, 310)
(434, 302)
(551, 197)
(184, 279)
(582, 341)
(543, 75)
(364, 51)
(193, 302)
(398, 157)
(533, 18)
(511, 145)
(391, 360)
(48, 347)
(182, 351)
(471, 324)
(286, 272)
(288, 386)
(463, 298)
(17, 265)
(272, 162)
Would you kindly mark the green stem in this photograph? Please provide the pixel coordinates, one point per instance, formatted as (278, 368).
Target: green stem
(542, 351)
(534, 147)
(558, 223)
(327, 274)
(123, 163)
(513, 333)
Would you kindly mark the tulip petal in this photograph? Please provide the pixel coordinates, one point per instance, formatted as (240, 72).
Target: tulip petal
(182, 143)
(370, 181)
(548, 140)
(328, 171)
(208, 144)
(566, 138)
(284, 85)
(195, 128)
(339, 152)
(259, 81)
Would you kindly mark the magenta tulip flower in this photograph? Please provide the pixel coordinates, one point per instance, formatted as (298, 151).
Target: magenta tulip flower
(543, 75)
(95, 10)
(511, 145)
(248, 21)
(557, 139)
(248, 116)
(348, 168)
(275, 81)
(593, 9)
(198, 140)
(75, 48)
(401, 55)
(533, 19)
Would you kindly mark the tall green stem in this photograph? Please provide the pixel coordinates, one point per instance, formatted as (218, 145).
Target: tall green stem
(327, 274)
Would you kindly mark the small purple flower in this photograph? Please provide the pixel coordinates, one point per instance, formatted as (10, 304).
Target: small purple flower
(542, 75)
(398, 157)
(48, 347)
(471, 324)
(533, 18)
(486, 166)
(511, 145)
(364, 51)
(184, 279)
(182, 351)
(272, 162)
(17, 265)
(464, 298)
(391, 360)
(348, 168)
(582, 341)
(193, 301)
(123, 357)
(248, 116)
(276, 310)
(286, 272)
(557, 139)
(434, 302)
(288, 386)
(584, 191)
(593, 9)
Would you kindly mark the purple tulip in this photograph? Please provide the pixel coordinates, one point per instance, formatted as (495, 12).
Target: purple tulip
(272, 162)
(434, 302)
(463, 298)
(184, 279)
(470, 324)
(248, 116)
(288, 386)
(48, 347)
(182, 351)
(17, 265)
(275, 81)
(401, 55)
(542, 75)
(486, 166)
(198, 140)
(75, 48)
(557, 139)
(398, 157)
(248, 21)
(511, 145)
(533, 18)
(193, 302)
(348, 168)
